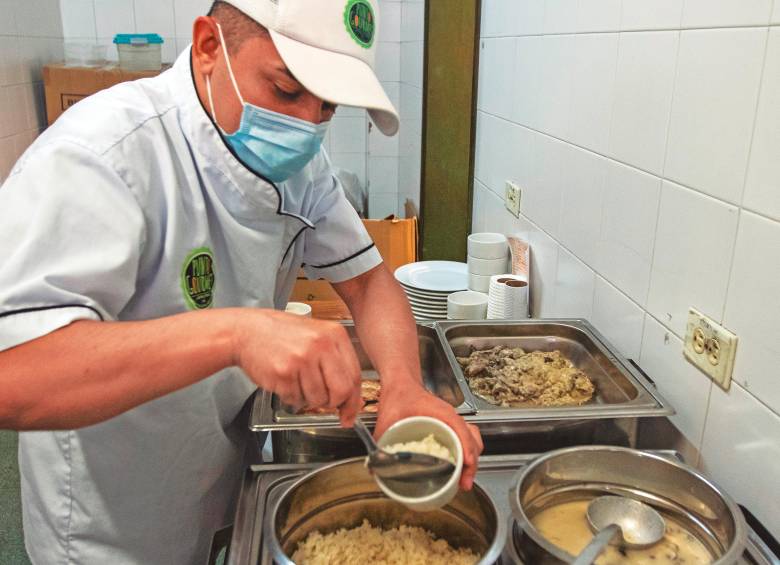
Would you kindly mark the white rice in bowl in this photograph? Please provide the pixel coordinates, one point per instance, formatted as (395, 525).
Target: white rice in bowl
(404, 545)
(426, 446)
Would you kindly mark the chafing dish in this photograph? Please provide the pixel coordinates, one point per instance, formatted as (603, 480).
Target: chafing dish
(264, 485)
(318, 437)
(623, 393)
(679, 492)
(343, 494)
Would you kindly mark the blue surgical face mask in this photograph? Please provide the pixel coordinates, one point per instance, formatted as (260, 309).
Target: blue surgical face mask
(273, 145)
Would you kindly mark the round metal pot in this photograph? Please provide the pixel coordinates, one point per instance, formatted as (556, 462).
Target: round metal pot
(671, 487)
(343, 494)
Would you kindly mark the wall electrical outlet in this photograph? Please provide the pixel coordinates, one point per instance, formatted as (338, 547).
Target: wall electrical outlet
(512, 198)
(711, 347)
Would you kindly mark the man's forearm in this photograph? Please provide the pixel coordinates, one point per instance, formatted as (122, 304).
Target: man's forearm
(385, 325)
(90, 371)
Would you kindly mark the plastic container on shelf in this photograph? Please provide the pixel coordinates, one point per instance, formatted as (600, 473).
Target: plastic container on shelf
(84, 54)
(139, 51)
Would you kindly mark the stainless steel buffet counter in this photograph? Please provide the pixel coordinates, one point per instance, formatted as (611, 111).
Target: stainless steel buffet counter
(623, 397)
(263, 485)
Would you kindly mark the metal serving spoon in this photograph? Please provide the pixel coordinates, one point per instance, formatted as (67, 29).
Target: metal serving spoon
(409, 474)
(638, 524)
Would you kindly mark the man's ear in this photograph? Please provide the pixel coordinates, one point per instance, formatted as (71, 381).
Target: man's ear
(205, 44)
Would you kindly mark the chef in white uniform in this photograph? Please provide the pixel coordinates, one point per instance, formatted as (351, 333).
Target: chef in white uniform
(148, 241)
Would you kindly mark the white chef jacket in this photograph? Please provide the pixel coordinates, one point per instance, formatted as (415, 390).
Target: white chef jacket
(132, 207)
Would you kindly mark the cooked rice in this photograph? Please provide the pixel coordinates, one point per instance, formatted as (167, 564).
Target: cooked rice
(427, 446)
(405, 545)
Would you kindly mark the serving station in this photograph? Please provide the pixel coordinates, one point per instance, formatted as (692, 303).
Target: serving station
(317, 480)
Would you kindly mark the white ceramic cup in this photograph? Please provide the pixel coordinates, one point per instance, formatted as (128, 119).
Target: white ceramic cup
(488, 246)
(299, 309)
(479, 283)
(467, 305)
(418, 428)
(487, 267)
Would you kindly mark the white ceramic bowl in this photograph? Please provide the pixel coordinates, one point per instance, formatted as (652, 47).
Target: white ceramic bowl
(488, 246)
(417, 428)
(487, 267)
(299, 309)
(467, 305)
(479, 283)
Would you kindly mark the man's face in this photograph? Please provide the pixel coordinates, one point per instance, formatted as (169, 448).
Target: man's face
(262, 77)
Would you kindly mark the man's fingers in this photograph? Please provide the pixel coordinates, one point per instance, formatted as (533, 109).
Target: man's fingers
(289, 391)
(472, 447)
(314, 388)
(349, 411)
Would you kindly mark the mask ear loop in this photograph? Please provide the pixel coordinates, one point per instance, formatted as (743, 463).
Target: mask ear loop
(232, 79)
(229, 66)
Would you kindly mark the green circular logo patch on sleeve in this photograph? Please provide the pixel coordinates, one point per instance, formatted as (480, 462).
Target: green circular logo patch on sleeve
(361, 22)
(197, 278)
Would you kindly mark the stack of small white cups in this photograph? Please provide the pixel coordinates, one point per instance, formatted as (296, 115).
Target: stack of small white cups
(508, 298)
(488, 256)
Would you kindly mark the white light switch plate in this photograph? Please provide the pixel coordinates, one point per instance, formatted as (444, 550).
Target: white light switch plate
(711, 347)
(512, 198)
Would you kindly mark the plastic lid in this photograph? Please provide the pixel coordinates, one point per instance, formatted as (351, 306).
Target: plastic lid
(138, 39)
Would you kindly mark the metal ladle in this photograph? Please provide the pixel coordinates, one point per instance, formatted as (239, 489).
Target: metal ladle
(638, 524)
(406, 473)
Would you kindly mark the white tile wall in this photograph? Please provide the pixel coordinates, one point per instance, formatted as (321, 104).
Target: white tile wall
(646, 139)
(677, 380)
(753, 306)
(582, 204)
(593, 83)
(598, 15)
(688, 259)
(30, 36)
(725, 13)
(574, 287)
(554, 87)
(618, 318)
(762, 190)
(742, 453)
(718, 73)
(630, 213)
(644, 15)
(643, 97)
(100, 20)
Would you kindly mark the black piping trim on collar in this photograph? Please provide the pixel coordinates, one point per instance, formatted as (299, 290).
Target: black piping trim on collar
(279, 211)
(58, 307)
(343, 260)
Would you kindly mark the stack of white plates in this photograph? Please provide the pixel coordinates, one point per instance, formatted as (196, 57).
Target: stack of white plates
(427, 285)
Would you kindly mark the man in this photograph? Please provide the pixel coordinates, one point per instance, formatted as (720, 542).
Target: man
(147, 238)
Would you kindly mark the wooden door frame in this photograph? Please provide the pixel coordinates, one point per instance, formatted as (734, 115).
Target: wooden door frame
(450, 73)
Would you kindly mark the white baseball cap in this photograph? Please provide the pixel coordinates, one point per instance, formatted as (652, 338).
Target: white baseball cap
(330, 47)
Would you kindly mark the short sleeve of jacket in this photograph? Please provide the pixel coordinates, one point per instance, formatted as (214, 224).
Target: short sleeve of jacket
(339, 248)
(71, 235)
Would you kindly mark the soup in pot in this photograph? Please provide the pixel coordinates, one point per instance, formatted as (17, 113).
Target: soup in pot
(566, 525)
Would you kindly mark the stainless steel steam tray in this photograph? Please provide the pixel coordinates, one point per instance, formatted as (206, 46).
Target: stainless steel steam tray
(621, 390)
(439, 377)
(264, 484)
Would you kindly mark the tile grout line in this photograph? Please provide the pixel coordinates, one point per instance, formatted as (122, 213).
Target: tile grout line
(662, 189)
(638, 30)
(745, 177)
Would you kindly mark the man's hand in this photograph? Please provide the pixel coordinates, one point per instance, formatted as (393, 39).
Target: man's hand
(413, 400)
(307, 363)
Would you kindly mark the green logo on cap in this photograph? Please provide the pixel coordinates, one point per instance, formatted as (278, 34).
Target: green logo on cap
(361, 22)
